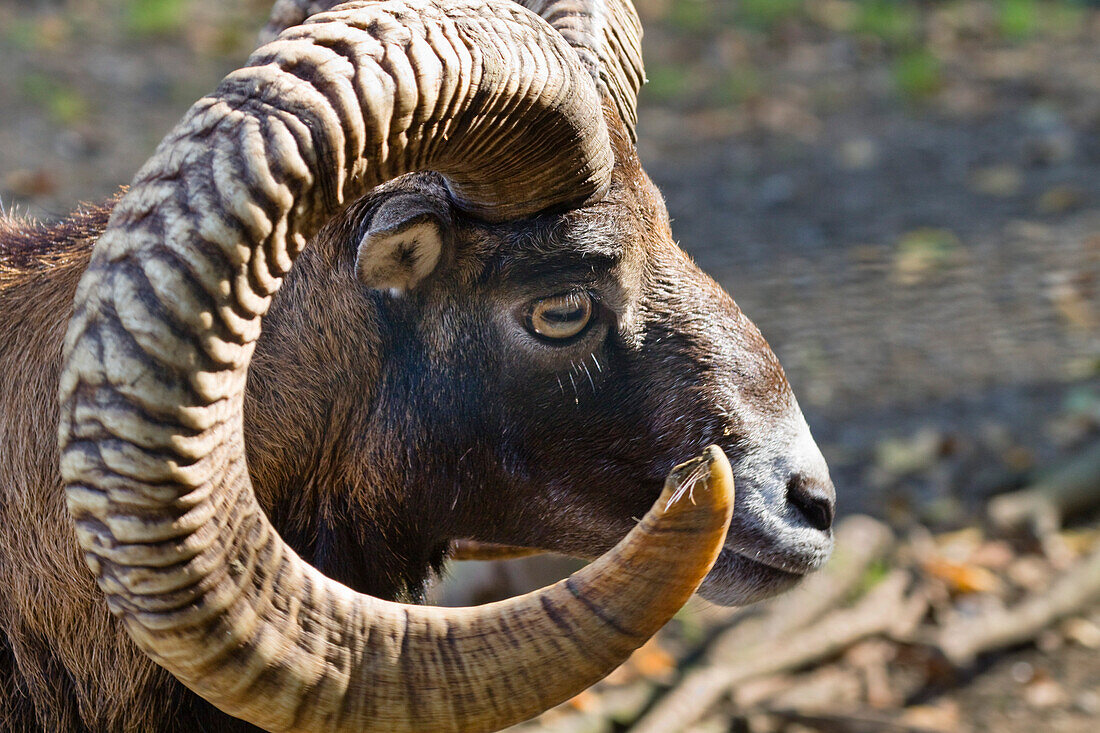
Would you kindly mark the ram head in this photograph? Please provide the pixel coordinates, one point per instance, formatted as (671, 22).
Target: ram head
(487, 333)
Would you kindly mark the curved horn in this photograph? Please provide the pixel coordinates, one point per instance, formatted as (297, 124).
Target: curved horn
(606, 34)
(165, 322)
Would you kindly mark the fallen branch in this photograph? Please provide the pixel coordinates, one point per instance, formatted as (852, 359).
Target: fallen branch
(962, 641)
(860, 542)
(822, 688)
(855, 722)
(1068, 489)
(877, 612)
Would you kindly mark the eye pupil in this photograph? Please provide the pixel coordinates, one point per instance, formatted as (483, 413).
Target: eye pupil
(563, 315)
(560, 316)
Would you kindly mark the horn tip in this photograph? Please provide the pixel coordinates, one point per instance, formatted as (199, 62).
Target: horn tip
(705, 479)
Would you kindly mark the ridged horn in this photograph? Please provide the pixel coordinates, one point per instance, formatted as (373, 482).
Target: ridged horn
(606, 34)
(165, 323)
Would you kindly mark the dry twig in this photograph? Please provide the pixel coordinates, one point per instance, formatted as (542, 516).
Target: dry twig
(877, 612)
(848, 722)
(964, 640)
(1070, 488)
(860, 541)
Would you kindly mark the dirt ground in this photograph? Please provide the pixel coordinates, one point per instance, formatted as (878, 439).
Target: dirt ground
(904, 196)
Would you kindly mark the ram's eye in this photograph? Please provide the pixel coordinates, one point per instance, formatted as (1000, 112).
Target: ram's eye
(561, 316)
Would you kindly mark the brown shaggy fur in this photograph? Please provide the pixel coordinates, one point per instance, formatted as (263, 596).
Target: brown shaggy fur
(61, 654)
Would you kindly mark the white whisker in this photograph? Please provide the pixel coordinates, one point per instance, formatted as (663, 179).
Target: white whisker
(589, 375)
(688, 484)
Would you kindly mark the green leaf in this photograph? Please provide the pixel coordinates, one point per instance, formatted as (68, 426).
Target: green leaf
(155, 17)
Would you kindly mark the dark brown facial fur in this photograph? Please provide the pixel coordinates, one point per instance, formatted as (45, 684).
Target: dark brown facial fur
(382, 426)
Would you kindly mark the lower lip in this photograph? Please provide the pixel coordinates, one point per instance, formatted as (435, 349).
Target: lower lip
(779, 570)
(739, 580)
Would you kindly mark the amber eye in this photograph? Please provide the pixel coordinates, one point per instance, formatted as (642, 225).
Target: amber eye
(561, 316)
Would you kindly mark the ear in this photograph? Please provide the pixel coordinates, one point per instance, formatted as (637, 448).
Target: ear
(403, 243)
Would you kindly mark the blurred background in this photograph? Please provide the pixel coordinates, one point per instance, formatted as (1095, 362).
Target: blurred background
(905, 196)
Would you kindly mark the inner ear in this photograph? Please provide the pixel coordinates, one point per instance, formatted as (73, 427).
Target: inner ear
(403, 243)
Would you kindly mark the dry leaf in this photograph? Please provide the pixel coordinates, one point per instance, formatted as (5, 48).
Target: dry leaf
(995, 555)
(942, 716)
(652, 661)
(586, 702)
(962, 577)
(1082, 632)
(960, 544)
(1043, 692)
(922, 252)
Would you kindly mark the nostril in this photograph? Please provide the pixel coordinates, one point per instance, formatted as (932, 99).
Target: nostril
(814, 499)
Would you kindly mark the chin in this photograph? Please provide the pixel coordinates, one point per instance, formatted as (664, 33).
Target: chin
(736, 580)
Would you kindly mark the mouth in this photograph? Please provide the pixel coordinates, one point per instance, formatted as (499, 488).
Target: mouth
(743, 575)
(739, 580)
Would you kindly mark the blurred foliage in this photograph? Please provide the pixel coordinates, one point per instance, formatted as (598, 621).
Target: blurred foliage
(692, 16)
(24, 34)
(892, 21)
(922, 252)
(154, 17)
(64, 103)
(1017, 18)
(769, 12)
(917, 73)
(668, 81)
(897, 20)
(209, 29)
(908, 35)
(740, 84)
(876, 572)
